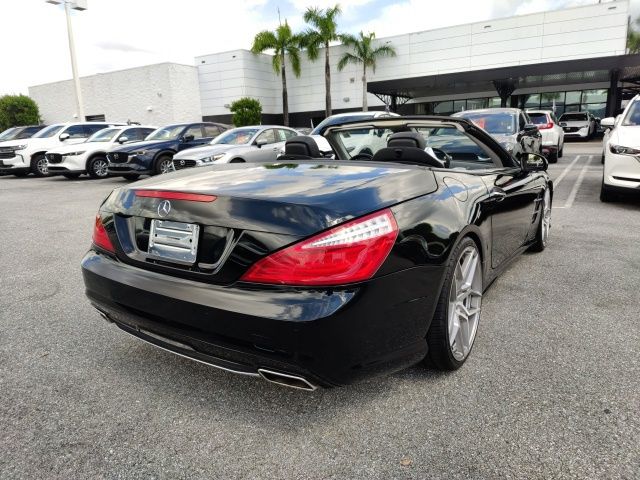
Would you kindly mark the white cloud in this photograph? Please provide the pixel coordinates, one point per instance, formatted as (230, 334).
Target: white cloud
(118, 34)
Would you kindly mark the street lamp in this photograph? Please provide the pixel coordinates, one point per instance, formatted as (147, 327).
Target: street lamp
(76, 5)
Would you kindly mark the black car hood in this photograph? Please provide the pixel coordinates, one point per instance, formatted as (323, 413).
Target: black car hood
(155, 144)
(292, 198)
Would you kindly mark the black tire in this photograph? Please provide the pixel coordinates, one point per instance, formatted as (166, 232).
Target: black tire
(602, 159)
(163, 162)
(39, 165)
(553, 157)
(131, 176)
(439, 353)
(97, 167)
(20, 174)
(71, 176)
(540, 242)
(561, 151)
(606, 195)
(237, 160)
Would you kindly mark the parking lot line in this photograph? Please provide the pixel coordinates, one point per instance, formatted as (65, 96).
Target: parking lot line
(576, 186)
(564, 173)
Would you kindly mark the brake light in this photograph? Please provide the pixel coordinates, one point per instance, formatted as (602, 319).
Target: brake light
(351, 252)
(100, 237)
(168, 195)
(545, 126)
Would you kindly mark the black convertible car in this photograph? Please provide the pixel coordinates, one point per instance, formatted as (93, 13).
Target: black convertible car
(317, 272)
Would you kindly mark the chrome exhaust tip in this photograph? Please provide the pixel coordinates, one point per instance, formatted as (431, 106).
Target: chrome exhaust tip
(287, 380)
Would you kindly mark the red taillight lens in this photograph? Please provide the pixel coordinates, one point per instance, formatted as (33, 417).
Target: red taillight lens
(351, 252)
(545, 126)
(100, 237)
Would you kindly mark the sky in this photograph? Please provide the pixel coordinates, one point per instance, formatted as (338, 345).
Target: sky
(119, 34)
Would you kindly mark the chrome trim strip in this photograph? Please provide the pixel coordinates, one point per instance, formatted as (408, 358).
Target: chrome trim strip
(262, 372)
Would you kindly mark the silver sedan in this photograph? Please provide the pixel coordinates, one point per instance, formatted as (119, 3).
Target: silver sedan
(245, 144)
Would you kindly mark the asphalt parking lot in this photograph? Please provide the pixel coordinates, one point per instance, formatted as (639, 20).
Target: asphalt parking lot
(550, 390)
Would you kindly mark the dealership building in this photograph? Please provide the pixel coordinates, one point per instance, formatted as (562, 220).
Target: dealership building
(567, 60)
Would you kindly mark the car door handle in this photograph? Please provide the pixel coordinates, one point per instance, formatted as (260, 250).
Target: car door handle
(495, 195)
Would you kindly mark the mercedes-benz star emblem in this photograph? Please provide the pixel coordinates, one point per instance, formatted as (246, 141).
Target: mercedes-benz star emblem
(164, 208)
(182, 163)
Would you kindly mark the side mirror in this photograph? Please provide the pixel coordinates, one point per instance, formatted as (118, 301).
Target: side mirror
(530, 127)
(123, 139)
(532, 162)
(260, 143)
(608, 122)
(188, 138)
(63, 136)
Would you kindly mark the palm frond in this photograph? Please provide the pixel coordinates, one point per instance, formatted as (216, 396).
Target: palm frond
(348, 58)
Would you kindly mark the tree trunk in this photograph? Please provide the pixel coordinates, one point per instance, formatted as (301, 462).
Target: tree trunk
(285, 98)
(327, 81)
(365, 106)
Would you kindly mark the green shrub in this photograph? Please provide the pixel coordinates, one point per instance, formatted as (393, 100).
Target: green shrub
(246, 111)
(16, 110)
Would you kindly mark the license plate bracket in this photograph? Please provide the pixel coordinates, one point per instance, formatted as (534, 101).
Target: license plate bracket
(174, 241)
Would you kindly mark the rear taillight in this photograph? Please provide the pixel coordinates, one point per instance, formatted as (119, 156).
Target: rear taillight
(545, 126)
(351, 252)
(100, 237)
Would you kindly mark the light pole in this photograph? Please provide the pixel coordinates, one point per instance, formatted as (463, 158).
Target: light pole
(76, 5)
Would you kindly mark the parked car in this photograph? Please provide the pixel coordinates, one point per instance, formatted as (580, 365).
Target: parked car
(21, 157)
(154, 155)
(552, 133)
(260, 143)
(608, 128)
(622, 153)
(18, 133)
(90, 157)
(511, 127)
(318, 272)
(578, 125)
(340, 119)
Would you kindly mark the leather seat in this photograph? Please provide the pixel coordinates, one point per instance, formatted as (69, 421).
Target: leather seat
(407, 147)
(301, 147)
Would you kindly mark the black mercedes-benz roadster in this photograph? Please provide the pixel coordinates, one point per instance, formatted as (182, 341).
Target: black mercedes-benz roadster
(320, 272)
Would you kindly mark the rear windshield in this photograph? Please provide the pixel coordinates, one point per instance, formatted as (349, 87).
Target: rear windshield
(538, 118)
(573, 117)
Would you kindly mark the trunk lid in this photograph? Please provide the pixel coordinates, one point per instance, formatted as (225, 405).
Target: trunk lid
(288, 198)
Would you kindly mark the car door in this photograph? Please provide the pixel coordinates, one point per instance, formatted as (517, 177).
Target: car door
(267, 152)
(211, 131)
(192, 137)
(512, 202)
(77, 134)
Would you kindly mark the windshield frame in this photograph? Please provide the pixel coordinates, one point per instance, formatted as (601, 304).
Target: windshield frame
(116, 132)
(50, 131)
(177, 130)
(256, 131)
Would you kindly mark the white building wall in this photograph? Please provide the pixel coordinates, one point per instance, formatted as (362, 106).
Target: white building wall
(582, 32)
(153, 95)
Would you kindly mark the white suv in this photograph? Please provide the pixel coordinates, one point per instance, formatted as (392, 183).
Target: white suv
(552, 133)
(90, 156)
(622, 152)
(21, 157)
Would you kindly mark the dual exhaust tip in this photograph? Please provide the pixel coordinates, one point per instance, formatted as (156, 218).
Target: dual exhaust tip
(287, 380)
(282, 379)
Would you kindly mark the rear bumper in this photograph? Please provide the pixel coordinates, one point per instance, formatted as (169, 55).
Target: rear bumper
(329, 337)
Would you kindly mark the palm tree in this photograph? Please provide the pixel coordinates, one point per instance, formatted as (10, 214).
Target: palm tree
(365, 54)
(633, 38)
(284, 44)
(324, 31)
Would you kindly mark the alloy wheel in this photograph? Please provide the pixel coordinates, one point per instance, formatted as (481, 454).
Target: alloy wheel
(42, 166)
(465, 299)
(546, 217)
(100, 168)
(166, 166)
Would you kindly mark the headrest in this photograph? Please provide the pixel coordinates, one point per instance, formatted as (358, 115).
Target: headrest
(301, 147)
(410, 155)
(407, 139)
